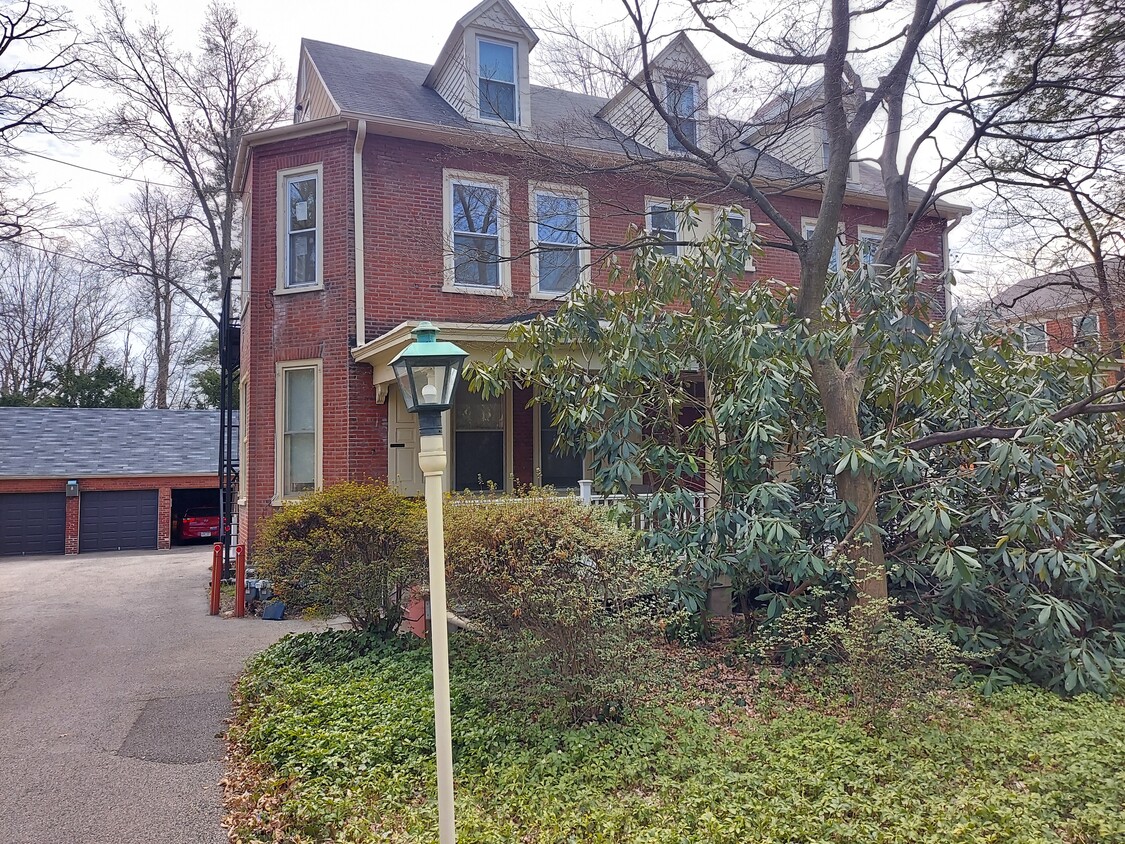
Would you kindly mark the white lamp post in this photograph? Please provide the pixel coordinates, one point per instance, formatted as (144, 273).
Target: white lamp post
(427, 371)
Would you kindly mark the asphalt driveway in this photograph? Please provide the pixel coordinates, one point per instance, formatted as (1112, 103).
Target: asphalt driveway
(113, 689)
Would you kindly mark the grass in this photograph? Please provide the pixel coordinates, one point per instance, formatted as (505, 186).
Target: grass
(334, 744)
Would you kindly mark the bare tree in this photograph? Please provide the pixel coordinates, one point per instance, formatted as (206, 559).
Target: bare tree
(151, 245)
(930, 104)
(54, 310)
(38, 65)
(187, 111)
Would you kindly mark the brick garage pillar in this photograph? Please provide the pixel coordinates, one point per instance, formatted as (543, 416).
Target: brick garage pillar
(70, 546)
(164, 518)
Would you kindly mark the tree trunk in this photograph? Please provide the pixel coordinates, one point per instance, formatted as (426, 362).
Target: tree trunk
(840, 391)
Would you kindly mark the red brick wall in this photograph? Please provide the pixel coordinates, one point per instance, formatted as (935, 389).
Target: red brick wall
(404, 274)
(163, 485)
(1060, 330)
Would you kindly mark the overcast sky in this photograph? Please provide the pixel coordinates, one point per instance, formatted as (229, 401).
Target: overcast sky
(414, 30)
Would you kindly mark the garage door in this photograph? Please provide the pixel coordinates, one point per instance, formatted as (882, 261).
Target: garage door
(32, 523)
(117, 521)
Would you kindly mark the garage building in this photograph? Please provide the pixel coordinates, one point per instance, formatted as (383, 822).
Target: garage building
(74, 480)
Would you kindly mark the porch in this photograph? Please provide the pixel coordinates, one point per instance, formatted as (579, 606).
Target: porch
(494, 444)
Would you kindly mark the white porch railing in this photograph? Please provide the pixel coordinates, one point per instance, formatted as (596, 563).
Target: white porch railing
(639, 519)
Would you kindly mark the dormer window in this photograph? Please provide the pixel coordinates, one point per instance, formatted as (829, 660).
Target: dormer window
(496, 75)
(681, 101)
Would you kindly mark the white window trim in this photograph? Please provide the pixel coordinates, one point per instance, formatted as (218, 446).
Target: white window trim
(504, 267)
(317, 364)
(809, 223)
(283, 230)
(1023, 337)
(516, 85)
(583, 198)
(1076, 323)
(869, 233)
(682, 229)
(734, 211)
(696, 115)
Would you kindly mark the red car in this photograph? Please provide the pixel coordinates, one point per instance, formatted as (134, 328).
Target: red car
(197, 523)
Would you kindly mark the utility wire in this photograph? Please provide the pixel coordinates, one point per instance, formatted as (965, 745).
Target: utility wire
(100, 172)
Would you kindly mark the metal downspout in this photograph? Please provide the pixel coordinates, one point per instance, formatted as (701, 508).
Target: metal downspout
(357, 212)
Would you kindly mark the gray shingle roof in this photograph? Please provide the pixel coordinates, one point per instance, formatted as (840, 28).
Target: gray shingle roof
(374, 84)
(1059, 291)
(53, 442)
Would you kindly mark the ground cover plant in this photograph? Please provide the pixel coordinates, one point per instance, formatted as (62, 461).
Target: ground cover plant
(333, 741)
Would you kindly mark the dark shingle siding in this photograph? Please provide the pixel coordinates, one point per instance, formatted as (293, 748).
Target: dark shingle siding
(40, 442)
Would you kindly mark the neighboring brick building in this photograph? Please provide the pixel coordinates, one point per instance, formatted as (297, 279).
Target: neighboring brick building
(89, 479)
(1067, 309)
(385, 203)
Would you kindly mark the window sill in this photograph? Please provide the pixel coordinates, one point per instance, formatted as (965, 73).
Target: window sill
(304, 288)
(546, 295)
(476, 291)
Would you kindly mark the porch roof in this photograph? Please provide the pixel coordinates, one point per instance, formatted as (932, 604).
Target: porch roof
(481, 341)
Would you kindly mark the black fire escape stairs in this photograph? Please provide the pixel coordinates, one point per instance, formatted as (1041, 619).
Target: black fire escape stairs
(229, 355)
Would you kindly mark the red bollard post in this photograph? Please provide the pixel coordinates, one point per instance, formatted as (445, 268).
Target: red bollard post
(216, 577)
(239, 581)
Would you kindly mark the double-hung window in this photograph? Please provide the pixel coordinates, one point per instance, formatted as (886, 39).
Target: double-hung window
(496, 77)
(558, 228)
(1034, 338)
(808, 227)
(663, 227)
(301, 205)
(298, 428)
(870, 240)
(1086, 331)
(477, 228)
(681, 103)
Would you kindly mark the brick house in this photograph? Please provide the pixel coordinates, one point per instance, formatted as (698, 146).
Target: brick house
(460, 193)
(1065, 310)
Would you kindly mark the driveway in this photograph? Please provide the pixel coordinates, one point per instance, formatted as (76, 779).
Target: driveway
(113, 689)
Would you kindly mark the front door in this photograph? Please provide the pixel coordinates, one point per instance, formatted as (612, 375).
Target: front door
(403, 472)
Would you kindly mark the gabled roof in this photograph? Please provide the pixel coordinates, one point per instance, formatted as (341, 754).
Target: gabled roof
(1059, 292)
(63, 442)
(374, 86)
(489, 14)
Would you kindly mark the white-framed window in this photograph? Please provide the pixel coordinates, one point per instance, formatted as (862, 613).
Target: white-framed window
(300, 241)
(870, 238)
(1087, 329)
(476, 220)
(497, 72)
(681, 101)
(1034, 337)
(560, 232)
(736, 223)
(808, 226)
(298, 428)
(663, 225)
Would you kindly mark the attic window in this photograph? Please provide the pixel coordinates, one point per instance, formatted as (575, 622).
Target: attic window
(496, 75)
(680, 103)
